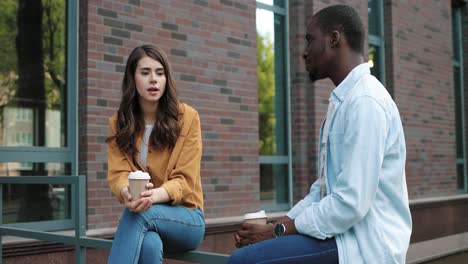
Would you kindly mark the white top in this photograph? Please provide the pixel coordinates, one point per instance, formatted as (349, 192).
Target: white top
(144, 145)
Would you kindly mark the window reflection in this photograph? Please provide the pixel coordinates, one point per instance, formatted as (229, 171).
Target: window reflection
(35, 202)
(374, 20)
(32, 103)
(374, 60)
(32, 73)
(274, 185)
(376, 41)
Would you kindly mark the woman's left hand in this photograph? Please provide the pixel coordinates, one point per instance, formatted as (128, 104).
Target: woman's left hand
(139, 205)
(145, 201)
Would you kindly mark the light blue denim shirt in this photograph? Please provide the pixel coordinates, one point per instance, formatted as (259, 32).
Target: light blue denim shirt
(366, 208)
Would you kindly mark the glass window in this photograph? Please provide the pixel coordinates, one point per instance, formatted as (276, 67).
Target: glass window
(374, 18)
(35, 202)
(274, 186)
(374, 60)
(37, 90)
(459, 100)
(275, 175)
(32, 77)
(376, 43)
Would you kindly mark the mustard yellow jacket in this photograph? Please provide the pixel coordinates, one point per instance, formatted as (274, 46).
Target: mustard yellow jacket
(178, 171)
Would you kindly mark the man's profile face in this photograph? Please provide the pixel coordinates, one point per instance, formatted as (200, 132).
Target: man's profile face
(315, 55)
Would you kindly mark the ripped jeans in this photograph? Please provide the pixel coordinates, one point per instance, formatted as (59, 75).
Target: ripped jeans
(142, 237)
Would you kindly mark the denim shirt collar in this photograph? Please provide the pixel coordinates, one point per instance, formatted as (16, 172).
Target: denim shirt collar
(343, 89)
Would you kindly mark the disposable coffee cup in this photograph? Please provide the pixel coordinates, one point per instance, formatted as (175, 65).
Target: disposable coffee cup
(137, 181)
(256, 218)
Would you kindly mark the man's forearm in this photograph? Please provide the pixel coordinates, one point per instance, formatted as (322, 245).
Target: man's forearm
(290, 227)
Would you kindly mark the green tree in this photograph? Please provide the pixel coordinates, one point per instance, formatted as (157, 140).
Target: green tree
(266, 95)
(54, 23)
(8, 70)
(53, 17)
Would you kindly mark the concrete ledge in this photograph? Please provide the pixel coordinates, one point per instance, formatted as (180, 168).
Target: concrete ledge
(439, 200)
(428, 250)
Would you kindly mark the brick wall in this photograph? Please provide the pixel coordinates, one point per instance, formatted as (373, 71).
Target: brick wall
(302, 119)
(212, 48)
(422, 78)
(419, 75)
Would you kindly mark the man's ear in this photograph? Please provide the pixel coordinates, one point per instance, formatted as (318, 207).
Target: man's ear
(335, 38)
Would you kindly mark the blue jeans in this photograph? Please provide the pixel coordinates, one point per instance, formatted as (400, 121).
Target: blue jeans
(141, 237)
(288, 249)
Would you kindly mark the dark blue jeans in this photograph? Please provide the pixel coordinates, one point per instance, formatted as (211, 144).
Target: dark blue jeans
(288, 249)
(142, 237)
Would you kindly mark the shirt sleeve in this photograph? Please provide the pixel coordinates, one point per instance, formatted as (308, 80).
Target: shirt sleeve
(313, 196)
(363, 145)
(186, 173)
(118, 165)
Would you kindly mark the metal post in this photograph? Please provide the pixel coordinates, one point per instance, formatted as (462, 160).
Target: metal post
(78, 205)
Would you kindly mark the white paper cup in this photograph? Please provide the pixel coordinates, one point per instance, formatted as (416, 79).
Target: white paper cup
(256, 218)
(137, 181)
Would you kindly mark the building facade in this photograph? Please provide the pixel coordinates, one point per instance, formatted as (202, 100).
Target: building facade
(239, 63)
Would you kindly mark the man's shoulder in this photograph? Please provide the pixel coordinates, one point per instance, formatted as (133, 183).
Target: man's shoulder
(370, 87)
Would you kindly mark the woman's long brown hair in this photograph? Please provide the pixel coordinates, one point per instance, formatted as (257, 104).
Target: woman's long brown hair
(130, 121)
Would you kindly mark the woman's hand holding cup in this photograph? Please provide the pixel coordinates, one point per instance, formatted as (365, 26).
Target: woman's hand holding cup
(141, 188)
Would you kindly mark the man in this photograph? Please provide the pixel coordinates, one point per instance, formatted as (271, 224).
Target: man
(357, 211)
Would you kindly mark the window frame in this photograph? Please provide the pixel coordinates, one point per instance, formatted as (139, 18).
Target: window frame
(69, 153)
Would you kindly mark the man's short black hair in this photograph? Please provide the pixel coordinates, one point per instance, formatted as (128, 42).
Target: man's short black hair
(346, 20)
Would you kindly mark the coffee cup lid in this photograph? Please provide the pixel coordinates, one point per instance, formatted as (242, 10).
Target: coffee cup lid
(138, 175)
(260, 214)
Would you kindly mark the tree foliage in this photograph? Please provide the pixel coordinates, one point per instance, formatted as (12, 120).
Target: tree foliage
(54, 25)
(54, 50)
(8, 74)
(266, 94)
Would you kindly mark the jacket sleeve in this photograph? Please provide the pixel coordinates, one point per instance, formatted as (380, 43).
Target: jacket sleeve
(365, 130)
(118, 166)
(186, 173)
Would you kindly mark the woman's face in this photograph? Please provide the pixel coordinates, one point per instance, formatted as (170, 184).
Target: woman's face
(150, 80)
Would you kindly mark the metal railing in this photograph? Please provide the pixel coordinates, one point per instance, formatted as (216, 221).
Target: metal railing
(78, 218)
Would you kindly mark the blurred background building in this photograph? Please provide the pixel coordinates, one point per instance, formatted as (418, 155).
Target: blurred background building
(239, 63)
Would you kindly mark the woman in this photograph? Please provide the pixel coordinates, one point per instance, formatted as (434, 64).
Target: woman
(154, 132)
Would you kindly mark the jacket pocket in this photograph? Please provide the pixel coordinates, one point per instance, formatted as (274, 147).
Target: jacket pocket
(335, 153)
